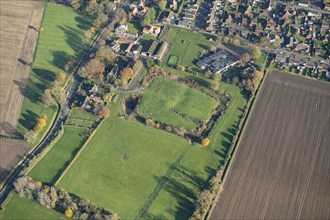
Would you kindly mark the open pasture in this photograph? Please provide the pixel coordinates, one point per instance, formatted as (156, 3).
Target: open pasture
(142, 172)
(163, 96)
(60, 155)
(281, 169)
(19, 22)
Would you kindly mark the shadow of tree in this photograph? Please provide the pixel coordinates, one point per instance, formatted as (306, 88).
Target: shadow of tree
(28, 120)
(3, 174)
(84, 24)
(181, 189)
(228, 136)
(200, 81)
(60, 58)
(74, 39)
(237, 49)
(220, 154)
(185, 198)
(8, 128)
(204, 47)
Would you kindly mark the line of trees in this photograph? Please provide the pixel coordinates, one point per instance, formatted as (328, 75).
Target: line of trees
(205, 198)
(60, 200)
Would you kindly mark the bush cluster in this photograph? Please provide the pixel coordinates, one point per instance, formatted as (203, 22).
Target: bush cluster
(60, 200)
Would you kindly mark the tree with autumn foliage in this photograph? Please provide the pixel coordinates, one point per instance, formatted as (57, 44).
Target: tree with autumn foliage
(31, 137)
(127, 74)
(68, 213)
(205, 142)
(181, 68)
(61, 76)
(255, 53)
(256, 78)
(138, 65)
(104, 112)
(92, 69)
(106, 54)
(107, 97)
(40, 124)
(245, 57)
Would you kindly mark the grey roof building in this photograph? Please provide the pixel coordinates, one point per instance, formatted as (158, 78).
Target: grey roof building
(218, 62)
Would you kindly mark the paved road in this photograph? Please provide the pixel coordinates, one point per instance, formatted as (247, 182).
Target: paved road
(60, 119)
(303, 8)
(298, 56)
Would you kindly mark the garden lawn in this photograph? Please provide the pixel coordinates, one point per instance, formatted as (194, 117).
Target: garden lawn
(24, 208)
(172, 61)
(62, 38)
(142, 172)
(119, 168)
(81, 118)
(50, 167)
(134, 27)
(187, 45)
(163, 95)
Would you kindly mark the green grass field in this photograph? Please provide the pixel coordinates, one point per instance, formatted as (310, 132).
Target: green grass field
(118, 169)
(163, 95)
(57, 159)
(146, 173)
(62, 37)
(23, 208)
(187, 45)
(173, 61)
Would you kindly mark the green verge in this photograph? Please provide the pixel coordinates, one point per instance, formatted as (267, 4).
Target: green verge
(164, 94)
(142, 172)
(62, 38)
(24, 208)
(260, 61)
(56, 160)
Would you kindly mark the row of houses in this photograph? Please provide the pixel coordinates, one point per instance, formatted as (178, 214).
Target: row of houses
(190, 12)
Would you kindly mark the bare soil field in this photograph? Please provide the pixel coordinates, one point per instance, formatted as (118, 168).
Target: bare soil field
(11, 152)
(20, 23)
(282, 166)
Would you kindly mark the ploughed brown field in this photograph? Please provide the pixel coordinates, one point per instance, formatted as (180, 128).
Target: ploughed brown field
(282, 166)
(20, 22)
(10, 153)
